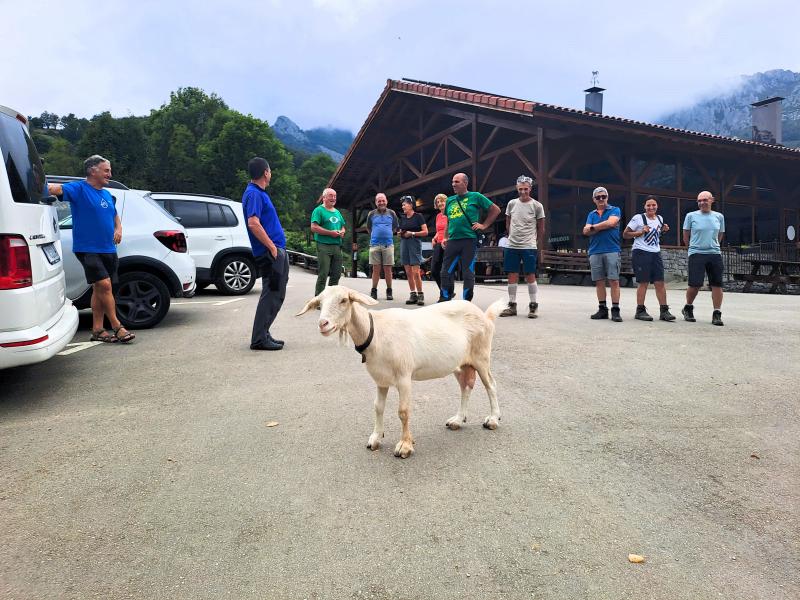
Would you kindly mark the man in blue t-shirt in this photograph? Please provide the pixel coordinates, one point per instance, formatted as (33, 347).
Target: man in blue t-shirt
(702, 232)
(382, 224)
(269, 249)
(602, 227)
(96, 231)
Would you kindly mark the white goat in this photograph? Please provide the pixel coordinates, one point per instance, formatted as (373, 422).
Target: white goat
(400, 345)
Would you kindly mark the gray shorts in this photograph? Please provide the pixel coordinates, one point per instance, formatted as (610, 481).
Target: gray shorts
(605, 266)
(410, 251)
(381, 255)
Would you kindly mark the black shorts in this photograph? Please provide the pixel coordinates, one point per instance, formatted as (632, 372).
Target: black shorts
(701, 265)
(99, 265)
(647, 266)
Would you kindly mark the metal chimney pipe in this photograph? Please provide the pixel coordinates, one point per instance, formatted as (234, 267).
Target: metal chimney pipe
(767, 116)
(594, 100)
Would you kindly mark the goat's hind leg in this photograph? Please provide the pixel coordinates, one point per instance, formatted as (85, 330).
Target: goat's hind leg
(466, 381)
(377, 432)
(489, 383)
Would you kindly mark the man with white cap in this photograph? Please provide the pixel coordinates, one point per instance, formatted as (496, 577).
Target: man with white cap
(602, 227)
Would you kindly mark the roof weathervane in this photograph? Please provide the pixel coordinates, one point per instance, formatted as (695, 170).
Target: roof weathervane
(595, 78)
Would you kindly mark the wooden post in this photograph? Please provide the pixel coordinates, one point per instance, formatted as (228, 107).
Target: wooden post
(543, 192)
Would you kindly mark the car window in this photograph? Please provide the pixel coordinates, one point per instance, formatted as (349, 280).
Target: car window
(215, 216)
(25, 174)
(230, 216)
(191, 214)
(160, 206)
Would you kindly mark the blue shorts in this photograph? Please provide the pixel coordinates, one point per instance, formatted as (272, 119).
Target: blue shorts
(410, 251)
(512, 257)
(647, 266)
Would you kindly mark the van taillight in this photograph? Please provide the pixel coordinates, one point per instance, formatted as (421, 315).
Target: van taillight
(15, 262)
(174, 240)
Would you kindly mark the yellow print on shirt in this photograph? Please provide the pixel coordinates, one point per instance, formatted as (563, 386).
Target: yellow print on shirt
(455, 211)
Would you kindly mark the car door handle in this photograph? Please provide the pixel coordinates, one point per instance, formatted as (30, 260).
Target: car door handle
(221, 238)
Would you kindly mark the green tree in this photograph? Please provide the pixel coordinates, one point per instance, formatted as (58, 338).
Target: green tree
(60, 159)
(72, 128)
(123, 142)
(313, 176)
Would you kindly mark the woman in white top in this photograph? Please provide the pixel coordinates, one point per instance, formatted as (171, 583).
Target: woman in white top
(645, 230)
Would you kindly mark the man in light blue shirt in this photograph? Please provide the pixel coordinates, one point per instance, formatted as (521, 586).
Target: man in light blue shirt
(702, 232)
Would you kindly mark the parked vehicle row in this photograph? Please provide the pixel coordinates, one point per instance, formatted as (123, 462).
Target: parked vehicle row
(172, 245)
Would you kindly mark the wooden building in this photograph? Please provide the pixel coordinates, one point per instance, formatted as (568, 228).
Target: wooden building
(419, 134)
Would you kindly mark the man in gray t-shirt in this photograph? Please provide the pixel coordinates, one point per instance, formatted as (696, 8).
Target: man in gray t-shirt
(525, 226)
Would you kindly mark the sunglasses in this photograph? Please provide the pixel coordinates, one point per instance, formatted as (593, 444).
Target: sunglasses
(601, 197)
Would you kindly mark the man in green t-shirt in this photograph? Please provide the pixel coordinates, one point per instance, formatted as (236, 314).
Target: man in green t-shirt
(463, 211)
(327, 225)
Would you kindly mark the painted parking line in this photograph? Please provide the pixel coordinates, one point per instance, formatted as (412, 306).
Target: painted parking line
(212, 302)
(77, 347)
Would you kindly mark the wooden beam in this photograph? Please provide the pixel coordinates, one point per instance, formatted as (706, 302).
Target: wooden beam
(616, 166)
(560, 163)
(466, 150)
(488, 173)
(489, 139)
(712, 186)
(433, 156)
(543, 192)
(430, 177)
(526, 162)
(429, 140)
(411, 167)
(474, 150)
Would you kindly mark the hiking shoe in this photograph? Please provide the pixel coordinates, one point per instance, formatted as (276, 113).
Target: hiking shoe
(602, 313)
(532, 306)
(443, 299)
(510, 310)
(412, 299)
(716, 318)
(641, 314)
(421, 299)
(373, 293)
(688, 313)
(666, 315)
(615, 316)
(389, 294)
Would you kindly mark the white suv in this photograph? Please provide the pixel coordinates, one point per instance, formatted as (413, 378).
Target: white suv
(37, 320)
(217, 237)
(153, 261)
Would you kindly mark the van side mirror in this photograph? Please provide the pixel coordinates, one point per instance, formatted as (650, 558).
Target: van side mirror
(50, 200)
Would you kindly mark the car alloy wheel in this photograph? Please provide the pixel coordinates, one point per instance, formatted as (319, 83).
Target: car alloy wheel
(236, 275)
(142, 300)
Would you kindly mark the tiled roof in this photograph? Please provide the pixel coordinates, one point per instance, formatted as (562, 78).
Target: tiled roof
(476, 98)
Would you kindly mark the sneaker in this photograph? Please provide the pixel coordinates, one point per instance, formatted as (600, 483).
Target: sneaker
(716, 318)
(510, 310)
(688, 313)
(602, 313)
(420, 299)
(615, 316)
(641, 314)
(666, 315)
(373, 293)
(412, 299)
(442, 299)
(532, 307)
(389, 294)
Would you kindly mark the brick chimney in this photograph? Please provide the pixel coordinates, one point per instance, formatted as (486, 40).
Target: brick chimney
(594, 99)
(767, 116)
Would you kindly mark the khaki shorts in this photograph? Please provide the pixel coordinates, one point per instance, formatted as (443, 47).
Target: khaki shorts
(381, 255)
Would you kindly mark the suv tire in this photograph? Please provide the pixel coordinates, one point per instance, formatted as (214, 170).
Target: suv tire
(142, 300)
(236, 275)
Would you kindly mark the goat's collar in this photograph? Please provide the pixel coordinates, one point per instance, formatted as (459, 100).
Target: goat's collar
(361, 347)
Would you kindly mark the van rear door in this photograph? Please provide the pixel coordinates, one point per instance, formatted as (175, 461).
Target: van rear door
(25, 219)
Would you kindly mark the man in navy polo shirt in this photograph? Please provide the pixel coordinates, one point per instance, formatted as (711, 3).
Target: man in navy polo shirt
(602, 227)
(269, 250)
(96, 231)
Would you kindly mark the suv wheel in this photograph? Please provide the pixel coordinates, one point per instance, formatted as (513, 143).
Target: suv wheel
(236, 275)
(142, 300)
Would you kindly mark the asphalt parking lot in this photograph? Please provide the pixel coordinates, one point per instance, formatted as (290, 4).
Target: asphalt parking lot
(187, 466)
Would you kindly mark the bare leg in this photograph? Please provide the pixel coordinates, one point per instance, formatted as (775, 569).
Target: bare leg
(377, 432)
(716, 297)
(405, 447)
(387, 274)
(417, 278)
(641, 292)
(103, 305)
(661, 292)
(614, 290)
(409, 277)
(466, 381)
(489, 383)
(691, 294)
(600, 288)
(376, 275)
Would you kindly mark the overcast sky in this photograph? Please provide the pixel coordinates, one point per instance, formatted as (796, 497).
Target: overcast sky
(325, 62)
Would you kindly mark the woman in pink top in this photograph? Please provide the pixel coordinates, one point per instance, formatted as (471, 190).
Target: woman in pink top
(440, 201)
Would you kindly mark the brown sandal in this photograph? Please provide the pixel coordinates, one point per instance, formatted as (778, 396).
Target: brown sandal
(103, 336)
(124, 338)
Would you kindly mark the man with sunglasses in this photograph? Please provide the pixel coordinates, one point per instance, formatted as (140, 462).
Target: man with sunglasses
(702, 232)
(602, 227)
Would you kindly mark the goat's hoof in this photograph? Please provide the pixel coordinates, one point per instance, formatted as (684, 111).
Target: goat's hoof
(374, 442)
(403, 450)
(454, 423)
(490, 423)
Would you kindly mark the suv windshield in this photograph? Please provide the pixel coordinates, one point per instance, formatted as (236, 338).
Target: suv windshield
(23, 165)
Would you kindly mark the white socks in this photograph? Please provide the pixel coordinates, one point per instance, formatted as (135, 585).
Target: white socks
(533, 289)
(512, 293)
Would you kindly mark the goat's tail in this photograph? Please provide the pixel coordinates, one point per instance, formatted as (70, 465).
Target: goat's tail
(494, 309)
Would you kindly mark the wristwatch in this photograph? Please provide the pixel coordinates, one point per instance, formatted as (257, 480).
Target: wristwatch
(413, 234)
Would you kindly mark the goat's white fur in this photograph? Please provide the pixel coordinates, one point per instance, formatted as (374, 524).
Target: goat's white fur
(427, 343)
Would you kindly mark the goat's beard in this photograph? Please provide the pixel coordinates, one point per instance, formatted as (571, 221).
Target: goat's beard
(342, 337)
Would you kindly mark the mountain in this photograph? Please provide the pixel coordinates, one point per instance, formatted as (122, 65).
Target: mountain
(331, 141)
(729, 114)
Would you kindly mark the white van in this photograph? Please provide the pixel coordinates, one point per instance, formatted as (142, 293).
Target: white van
(37, 320)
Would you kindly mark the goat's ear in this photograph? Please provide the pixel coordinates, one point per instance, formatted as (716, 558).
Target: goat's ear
(310, 305)
(362, 298)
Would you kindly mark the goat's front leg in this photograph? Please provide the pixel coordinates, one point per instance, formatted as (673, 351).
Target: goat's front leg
(405, 447)
(466, 381)
(377, 432)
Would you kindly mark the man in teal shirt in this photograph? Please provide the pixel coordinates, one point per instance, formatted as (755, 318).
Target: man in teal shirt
(463, 211)
(702, 232)
(327, 225)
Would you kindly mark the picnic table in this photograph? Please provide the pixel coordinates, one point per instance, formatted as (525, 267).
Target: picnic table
(781, 272)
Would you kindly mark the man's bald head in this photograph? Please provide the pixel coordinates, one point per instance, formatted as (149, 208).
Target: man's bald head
(704, 200)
